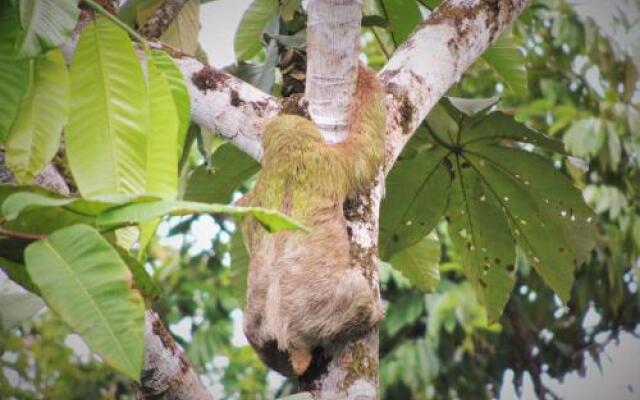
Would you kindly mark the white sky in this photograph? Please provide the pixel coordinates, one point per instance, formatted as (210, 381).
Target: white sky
(621, 363)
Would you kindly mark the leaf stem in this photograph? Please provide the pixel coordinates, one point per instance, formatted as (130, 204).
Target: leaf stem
(98, 8)
(22, 235)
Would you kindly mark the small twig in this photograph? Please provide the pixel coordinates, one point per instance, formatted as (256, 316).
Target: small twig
(162, 18)
(22, 235)
(100, 10)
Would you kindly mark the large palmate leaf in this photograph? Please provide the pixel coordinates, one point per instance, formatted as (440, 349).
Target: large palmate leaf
(84, 280)
(416, 197)
(501, 195)
(254, 21)
(141, 212)
(34, 137)
(509, 62)
(162, 141)
(106, 136)
(229, 169)
(46, 24)
(179, 92)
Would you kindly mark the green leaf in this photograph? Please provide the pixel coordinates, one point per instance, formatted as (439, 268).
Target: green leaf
(255, 19)
(480, 234)
(10, 29)
(497, 127)
(410, 209)
(216, 184)
(419, 263)
(509, 62)
(182, 33)
(46, 23)
(179, 92)
(140, 212)
(20, 202)
(289, 8)
(36, 220)
(34, 137)
(503, 195)
(84, 280)
(403, 17)
(239, 266)
(14, 81)
(403, 311)
(162, 141)
(585, 137)
(106, 141)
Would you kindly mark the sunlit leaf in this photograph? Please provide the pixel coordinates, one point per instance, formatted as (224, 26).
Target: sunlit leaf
(106, 141)
(162, 140)
(34, 137)
(84, 280)
(46, 24)
(179, 92)
(141, 212)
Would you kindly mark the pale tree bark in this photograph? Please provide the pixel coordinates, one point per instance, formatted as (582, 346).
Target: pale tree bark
(416, 77)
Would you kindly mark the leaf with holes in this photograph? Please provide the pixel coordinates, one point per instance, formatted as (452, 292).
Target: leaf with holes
(84, 280)
(416, 197)
(504, 194)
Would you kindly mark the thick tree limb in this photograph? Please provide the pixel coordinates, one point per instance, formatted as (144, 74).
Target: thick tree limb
(434, 58)
(333, 32)
(162, 17)
(333, 43)
(222, 103)
(167, 374)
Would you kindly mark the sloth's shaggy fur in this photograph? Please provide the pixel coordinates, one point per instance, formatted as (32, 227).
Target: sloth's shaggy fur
(302, 289)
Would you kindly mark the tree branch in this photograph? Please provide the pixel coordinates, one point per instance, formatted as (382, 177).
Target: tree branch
(164, 15)
(222, 103)
(347, 371)
(434, 58)
(167, 374)
(333, 44)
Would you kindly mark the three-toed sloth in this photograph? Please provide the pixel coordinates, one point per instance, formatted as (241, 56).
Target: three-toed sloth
(303, 291)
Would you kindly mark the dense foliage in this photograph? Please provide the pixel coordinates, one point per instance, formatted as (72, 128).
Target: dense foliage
(482, 211)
